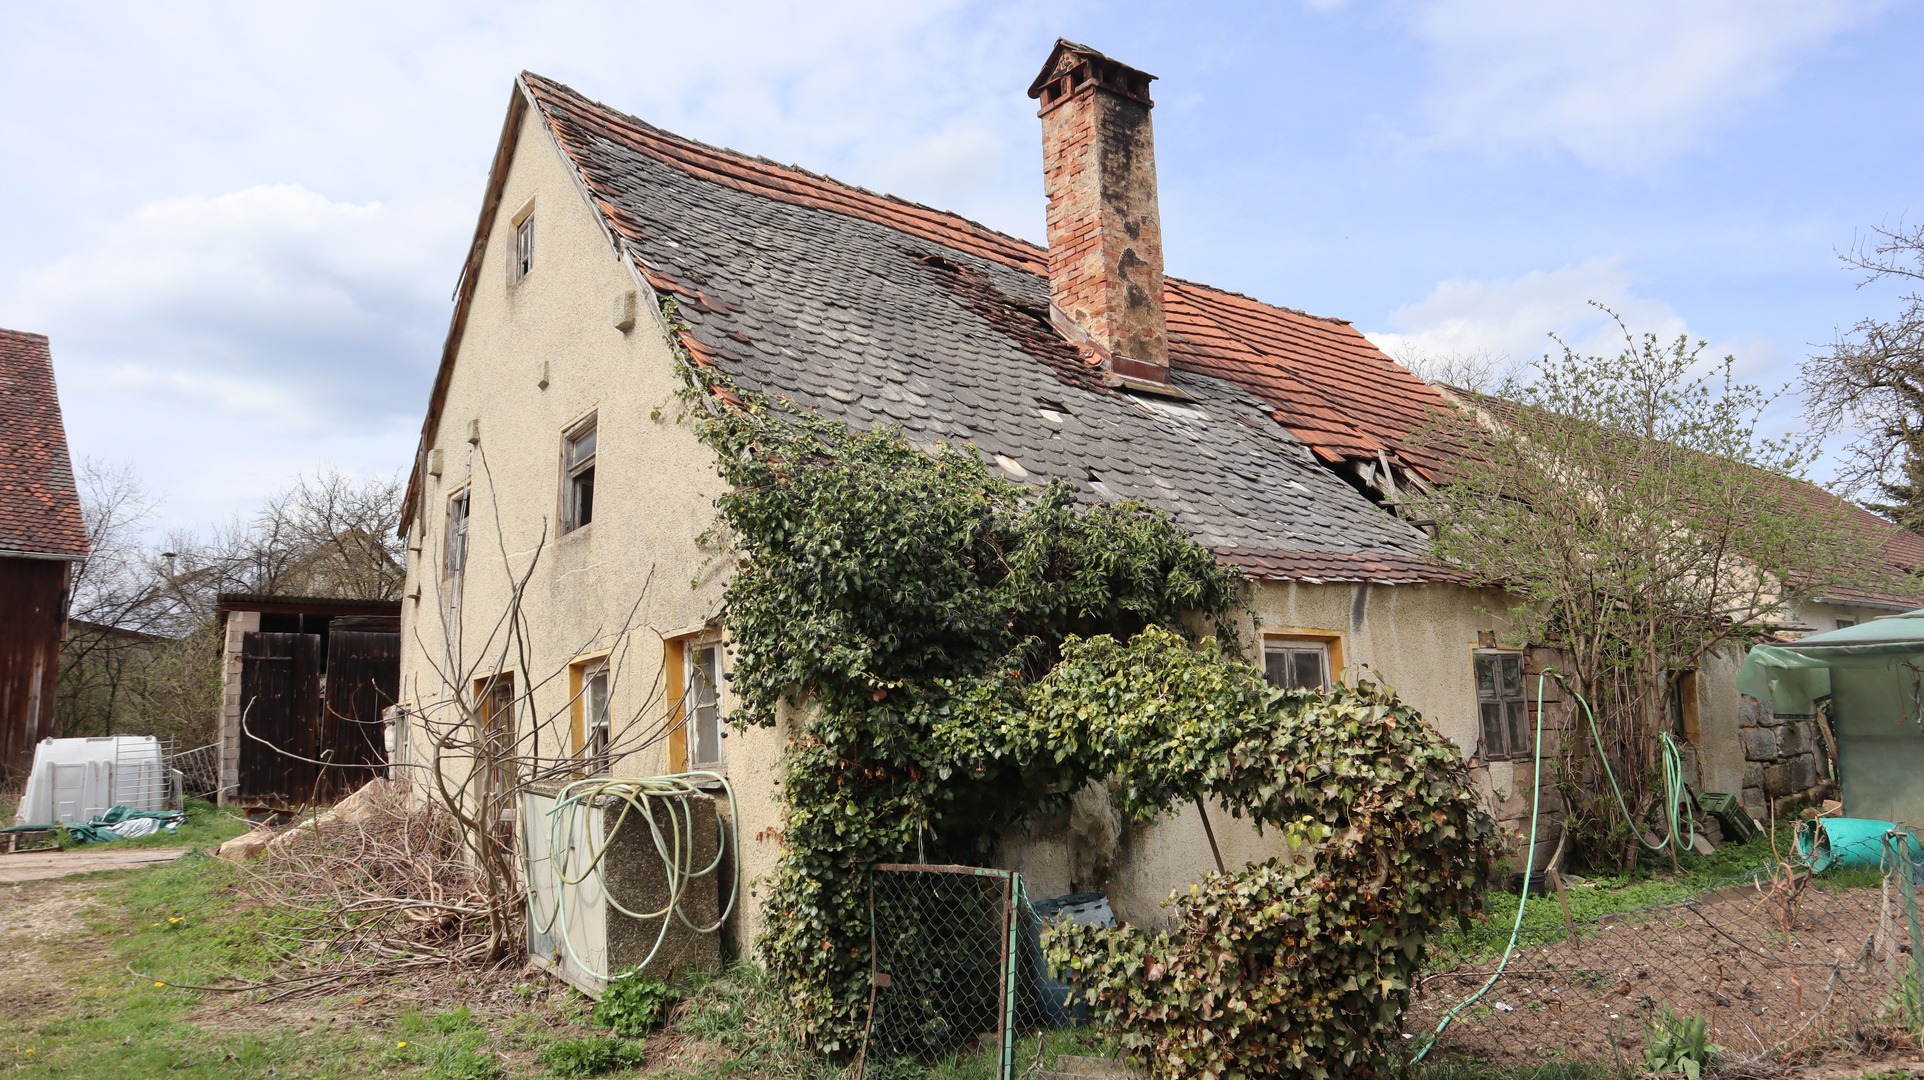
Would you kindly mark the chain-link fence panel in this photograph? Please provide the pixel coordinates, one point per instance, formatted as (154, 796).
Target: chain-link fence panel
(958, 966)
(1805, 957)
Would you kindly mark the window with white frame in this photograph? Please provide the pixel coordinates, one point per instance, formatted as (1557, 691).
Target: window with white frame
(594, 707)
(1503, 705)
(1296, 664)
(523, 261)
(578, 476)
(457, 545)
(702, 704)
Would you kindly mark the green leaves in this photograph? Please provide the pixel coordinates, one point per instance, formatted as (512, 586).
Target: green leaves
(954, 653)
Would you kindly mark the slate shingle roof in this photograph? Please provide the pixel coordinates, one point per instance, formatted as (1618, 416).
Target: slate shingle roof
(39, 508)
(876, 310)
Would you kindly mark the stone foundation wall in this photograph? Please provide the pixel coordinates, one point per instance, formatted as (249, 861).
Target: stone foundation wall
(1786, 763)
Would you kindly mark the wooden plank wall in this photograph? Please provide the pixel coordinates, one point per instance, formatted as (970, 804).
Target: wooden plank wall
(33, 595)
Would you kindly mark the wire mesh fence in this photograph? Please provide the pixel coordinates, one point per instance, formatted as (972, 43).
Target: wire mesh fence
(1808, 956)
(959, 968)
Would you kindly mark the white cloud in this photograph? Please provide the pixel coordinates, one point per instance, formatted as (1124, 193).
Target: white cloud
(273, 304)
(1619, 84)
(1514, 318)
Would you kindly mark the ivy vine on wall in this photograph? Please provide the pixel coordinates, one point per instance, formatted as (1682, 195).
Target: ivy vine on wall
(956, 653)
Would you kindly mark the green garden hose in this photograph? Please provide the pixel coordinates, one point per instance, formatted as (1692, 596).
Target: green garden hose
(1529, 866)
(1675, 793)
(675, 844)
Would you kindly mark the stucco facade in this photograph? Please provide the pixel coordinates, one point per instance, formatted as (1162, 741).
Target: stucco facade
(537, 357)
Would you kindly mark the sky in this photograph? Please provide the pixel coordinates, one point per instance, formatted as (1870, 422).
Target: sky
(241, 224)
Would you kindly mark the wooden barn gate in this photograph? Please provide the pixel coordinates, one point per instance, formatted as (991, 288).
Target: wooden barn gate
(310, 725)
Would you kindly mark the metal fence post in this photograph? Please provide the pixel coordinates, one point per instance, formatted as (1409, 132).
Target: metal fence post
(1011, 894)
(1898, 840)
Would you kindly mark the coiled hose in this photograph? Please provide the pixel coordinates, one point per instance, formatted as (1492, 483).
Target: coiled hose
(576, 857)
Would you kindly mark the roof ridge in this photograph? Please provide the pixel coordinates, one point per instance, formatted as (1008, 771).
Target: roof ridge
(1039, 251)
(27, 334)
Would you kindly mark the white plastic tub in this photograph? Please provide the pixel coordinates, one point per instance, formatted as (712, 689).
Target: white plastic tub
(78, 779)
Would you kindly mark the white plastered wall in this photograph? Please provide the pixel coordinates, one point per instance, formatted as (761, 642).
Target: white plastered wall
(654, 491)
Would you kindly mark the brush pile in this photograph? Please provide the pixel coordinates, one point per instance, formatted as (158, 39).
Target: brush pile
(389, 889)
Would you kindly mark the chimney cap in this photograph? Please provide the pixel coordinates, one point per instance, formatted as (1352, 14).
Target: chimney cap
(1112, 74)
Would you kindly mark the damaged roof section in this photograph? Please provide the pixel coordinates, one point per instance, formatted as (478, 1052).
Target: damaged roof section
(875, 310)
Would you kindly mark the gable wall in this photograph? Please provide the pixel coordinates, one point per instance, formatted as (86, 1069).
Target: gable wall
(655, 485)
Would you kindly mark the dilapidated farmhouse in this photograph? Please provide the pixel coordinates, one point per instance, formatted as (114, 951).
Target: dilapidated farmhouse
(41, 537)
(554, 451)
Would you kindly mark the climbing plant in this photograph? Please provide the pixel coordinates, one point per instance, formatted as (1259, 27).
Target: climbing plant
(953, 652)
(1302, 964)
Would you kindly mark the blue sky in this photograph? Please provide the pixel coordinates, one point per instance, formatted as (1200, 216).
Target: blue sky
(240, 223)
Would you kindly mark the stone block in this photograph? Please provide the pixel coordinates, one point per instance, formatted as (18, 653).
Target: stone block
(1760, 744)
(247, 845)
(1794, 738)
(1752, 799)
(1779, 780)
(1803, 772)
(1753, 775)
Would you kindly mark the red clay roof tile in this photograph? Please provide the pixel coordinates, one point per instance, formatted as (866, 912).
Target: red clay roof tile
(39, 507)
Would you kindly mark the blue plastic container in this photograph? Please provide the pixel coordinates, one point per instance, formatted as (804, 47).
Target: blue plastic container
(1841, 843)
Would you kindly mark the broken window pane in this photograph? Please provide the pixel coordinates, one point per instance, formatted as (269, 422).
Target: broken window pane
(578, 476)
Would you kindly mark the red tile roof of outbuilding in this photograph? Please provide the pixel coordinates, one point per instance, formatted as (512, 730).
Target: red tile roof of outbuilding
(39, 507)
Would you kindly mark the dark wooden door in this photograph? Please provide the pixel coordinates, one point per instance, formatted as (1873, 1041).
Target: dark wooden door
(363, 674)
(280, 718)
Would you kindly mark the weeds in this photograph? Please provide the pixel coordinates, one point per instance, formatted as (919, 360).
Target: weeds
(1673, 1044)
(573, 1058)
(632, 1006)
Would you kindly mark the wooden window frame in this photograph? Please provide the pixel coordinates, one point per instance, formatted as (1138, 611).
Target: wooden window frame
(578, 476)
(521, 254)
(1502, 700)
(679, 660)
(488, 694)
(595, 760)
(1299, 639)
(455, 541)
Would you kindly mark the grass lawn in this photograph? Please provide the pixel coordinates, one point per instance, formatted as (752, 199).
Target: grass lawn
(1651, 883)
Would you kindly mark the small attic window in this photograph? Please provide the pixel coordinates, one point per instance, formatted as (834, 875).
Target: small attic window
(522, 260)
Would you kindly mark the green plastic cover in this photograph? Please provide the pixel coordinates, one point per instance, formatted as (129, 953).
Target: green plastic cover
(1792, 677)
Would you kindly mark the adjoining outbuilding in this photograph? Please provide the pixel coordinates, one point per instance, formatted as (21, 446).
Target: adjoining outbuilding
(306, 682)
(1863, 688)
(41, 537)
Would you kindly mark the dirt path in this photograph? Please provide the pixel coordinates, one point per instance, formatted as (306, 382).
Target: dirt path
(39, 865)
(42, 923)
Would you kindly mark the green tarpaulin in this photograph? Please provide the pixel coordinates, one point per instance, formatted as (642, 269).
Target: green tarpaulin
(1873, 674)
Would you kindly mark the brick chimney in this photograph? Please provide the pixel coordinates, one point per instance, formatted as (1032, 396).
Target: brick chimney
(1105, 233)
